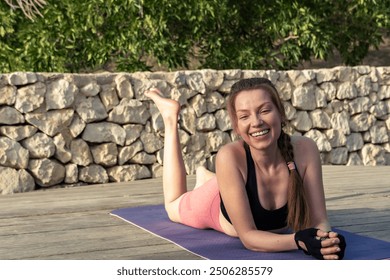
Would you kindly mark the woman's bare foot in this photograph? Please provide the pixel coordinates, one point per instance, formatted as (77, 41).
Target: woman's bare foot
(169, 108)
(202, 176)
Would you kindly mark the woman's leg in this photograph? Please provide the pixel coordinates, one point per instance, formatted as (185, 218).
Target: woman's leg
(174, 173)
(202, 176)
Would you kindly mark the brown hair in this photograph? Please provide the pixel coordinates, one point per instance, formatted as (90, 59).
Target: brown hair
(298, 213)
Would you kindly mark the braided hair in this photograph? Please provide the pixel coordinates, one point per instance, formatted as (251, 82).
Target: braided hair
(298, 210)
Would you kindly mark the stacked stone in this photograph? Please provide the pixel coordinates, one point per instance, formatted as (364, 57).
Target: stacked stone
(346, 111)
(74, 129)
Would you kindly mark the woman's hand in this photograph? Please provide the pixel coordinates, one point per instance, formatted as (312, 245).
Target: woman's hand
(321, 244)
(333, 245)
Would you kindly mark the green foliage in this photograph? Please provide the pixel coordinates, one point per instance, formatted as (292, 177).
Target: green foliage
(136, 35)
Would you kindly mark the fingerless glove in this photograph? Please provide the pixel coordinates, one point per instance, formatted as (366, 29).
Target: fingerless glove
(313, 245)
(342, 246)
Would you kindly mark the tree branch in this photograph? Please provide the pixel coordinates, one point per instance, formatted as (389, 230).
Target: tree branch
(281, 41)
(30, 8)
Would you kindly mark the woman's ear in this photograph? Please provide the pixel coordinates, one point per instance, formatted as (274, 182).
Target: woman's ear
(235, 135)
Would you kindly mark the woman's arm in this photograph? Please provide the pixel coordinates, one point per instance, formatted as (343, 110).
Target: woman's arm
(307, 158)
(231, 180)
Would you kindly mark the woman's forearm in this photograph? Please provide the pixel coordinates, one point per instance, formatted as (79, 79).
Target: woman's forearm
(264, 241)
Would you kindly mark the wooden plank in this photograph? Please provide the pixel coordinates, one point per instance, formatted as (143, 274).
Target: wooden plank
(57, 222)
(64, 242)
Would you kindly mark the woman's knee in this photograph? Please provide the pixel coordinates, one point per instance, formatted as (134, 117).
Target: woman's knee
(173, 212)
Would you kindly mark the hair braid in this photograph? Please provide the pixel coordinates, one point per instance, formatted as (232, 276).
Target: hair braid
(298, 210)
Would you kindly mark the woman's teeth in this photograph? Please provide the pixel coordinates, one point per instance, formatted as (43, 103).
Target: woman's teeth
(260, 133)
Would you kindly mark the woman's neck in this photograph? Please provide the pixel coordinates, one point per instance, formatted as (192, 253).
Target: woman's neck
(267, 159)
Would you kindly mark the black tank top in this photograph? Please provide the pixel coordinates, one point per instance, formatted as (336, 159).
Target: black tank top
(264, 219)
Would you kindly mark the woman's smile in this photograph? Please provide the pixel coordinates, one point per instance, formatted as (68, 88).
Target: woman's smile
(260, 133)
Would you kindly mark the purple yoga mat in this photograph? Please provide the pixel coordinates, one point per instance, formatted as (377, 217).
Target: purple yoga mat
(214, 245)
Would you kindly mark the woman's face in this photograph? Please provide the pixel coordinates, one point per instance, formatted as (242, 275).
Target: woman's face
(259, 122)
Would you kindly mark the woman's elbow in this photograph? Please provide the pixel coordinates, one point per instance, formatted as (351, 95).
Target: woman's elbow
(254, 247)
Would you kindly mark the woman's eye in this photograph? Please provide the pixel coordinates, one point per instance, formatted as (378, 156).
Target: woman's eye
(265, 110)
(243, 117)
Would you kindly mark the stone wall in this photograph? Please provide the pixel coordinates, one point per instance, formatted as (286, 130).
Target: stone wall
(74, 129)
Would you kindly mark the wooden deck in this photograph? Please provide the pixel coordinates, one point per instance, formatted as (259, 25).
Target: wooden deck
(73, 223)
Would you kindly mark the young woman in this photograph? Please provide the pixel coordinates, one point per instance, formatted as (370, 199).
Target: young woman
(268, 188)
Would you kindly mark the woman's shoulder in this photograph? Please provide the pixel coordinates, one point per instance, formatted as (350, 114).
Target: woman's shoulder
(232, 150)
(305, 151)
(231, 161)
(234, 146)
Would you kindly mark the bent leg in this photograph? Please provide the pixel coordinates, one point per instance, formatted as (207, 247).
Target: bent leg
(174, 173)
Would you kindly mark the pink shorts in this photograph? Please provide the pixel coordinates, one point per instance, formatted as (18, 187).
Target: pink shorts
(200, 207)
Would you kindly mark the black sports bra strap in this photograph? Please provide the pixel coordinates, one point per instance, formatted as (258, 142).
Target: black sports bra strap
(251, 172)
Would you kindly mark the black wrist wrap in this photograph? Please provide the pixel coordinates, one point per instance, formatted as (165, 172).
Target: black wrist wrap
(342, 246)
(313, 245)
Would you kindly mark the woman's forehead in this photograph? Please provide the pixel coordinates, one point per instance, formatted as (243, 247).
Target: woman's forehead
(249, 98)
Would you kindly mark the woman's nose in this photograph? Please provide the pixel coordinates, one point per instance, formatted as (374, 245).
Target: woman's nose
(257, 121)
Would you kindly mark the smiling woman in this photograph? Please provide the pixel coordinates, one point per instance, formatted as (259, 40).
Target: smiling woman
(258, 117)
(267, 189)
